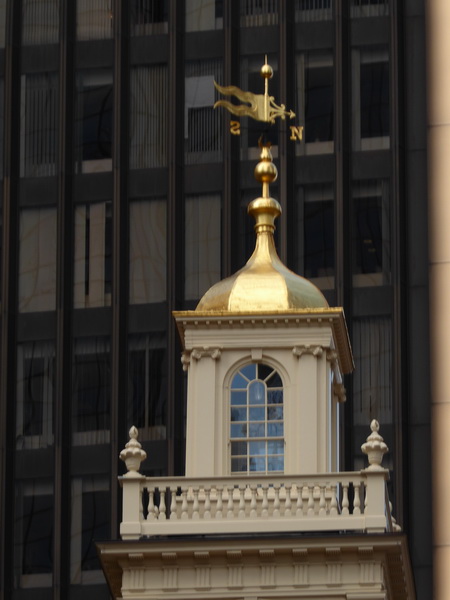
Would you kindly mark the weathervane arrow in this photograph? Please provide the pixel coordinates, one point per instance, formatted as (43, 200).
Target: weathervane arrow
(260, 107)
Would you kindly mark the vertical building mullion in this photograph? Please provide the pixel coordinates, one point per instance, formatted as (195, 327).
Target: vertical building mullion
(398, 254)
(64, 270)
(342, 141)
(9, 294)
(286, 66)
(120, 250)
(230, 204)
(175, 411)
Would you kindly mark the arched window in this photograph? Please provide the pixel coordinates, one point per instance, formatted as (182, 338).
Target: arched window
(256, 420)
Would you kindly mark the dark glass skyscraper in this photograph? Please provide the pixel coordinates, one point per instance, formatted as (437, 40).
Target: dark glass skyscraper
(124, 197)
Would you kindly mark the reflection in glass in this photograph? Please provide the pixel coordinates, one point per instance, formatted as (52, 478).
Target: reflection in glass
(315, 102)
(90, 522)
(94, 121)
(33, 533)
(35, 394)
(371, 245)
(38, 124)
(256, 415)
(93, 255)
(313, 10)
(147, 385)
(91, 391)
(257, 13)
(94, 19)
(203, 126)
(204, 15)
(148, 16)
(369, 8)
(37, 260)
(148, 116)
(202, 244)
(40, 21)
(148, 251)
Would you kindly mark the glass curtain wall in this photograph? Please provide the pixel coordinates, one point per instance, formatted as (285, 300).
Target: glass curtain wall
(127, 198)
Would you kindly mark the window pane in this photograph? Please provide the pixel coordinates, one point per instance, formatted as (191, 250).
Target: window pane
(38, 124)
(257, 13)
(203, 126)
(94, 121)
(147, 385)
(274, 380)
(91, 391)
(257, 448)
(94, 19)
(249, 371)
(275, 463)
(37, 260)
(148, 116)
(256, 429)
(238, 414)
(275, 447)
(275, 397)
(274, 429)
(257, 464)
(238, 398)
(313, 10)
(202, 244)
(93, 255)
(256, 392)
(238, 431)
(239, 382)
(204, 15)
(375, 99)
(274, 413)
(40, 21)
(257, 414)
(238, 448)
(148, 17)
(148, 251)
(35, 393)
(238, 465)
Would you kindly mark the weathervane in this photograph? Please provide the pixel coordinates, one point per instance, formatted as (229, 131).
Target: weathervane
(260, 107)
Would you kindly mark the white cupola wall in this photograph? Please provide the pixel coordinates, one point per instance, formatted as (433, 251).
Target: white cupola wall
(288, 423)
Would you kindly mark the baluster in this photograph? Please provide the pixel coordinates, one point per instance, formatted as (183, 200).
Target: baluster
(276, 501)
(141, 504)
(265, 503)
(162, 504)
(356, 500)
(173, 503)
(195, 514)
(287, 500)
(230, 506)
(305, 499)
(151, 514)
(184, 506)
(299, 505)
(241, 513)
(253, 513)
(333, 505)
(322, 503)
(310, 500)
(345, 498)
(207, 513)
(366, 496)
(219, 503)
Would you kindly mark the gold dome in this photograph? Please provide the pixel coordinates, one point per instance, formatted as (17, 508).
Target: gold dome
(264, 284)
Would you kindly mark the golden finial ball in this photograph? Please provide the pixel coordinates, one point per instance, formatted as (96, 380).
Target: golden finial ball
(265, 172)
(266, 71)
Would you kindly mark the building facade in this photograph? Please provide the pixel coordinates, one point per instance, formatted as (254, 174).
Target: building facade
(124, 198)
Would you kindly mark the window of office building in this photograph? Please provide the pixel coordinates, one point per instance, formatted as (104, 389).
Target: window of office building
(371, 244)
(147, 385)
(38, 124)
(40, 22)
(313, 10)
(202, 244)
(94, 19)
(33, 525)
(148, 116)
(148, 251)
(314, 211)
(204, 15)
(2, 22)
(315, 102)
(94, 118)
(148, 17)
(37, 259)
(35, 395)
(369, 8)
(92, 255)
(202, 125)
(91, 397)
(257, 13)
(370, 91)
(256, 420)
(90, 521)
